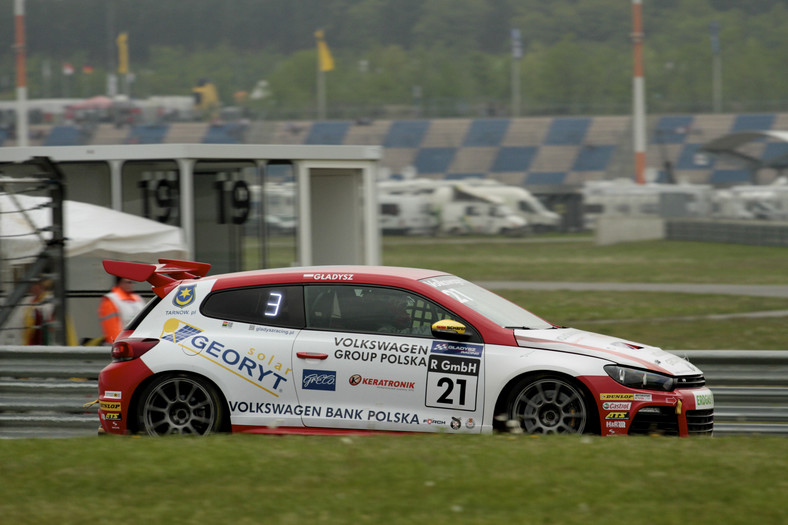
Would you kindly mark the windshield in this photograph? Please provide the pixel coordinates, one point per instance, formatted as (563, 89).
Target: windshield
(490, 305)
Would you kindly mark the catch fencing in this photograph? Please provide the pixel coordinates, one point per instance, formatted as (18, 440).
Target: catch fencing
(46, 391)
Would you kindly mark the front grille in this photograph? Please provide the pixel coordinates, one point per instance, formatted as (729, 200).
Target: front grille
(655, 420)
(690, 381)
(700, 422)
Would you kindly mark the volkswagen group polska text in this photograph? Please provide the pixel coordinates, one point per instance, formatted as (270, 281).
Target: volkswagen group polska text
(368, 349)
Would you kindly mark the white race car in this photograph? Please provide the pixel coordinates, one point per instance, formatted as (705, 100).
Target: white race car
(370, 348)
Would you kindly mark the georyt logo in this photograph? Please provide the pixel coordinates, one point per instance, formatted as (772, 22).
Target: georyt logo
(185, 296)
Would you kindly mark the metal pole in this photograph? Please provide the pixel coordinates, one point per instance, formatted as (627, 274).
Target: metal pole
(639, 97)
(21, 74)
(56, 248)
(321, 92)
(716, 67)
(517, 54)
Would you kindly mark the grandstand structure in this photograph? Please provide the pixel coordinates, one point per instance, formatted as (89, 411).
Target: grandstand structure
(537, 152)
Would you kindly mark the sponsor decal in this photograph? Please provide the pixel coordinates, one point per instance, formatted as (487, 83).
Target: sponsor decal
(616, 405)
(616, 424)
(112, 394)
(392, 417)
(271, 330)
(703, 399)
(463, 349)
(454, 365)
(345, 413)
(380, 351)
(392, 384)
(355, 414)
(441, 282)
(470, 423)
(227, 324)
(642, 397)
(431, 421)
(110, 406)
(616, 397)
(255, 368)
(274, 409)
(319, 380)
(456, 423)
(177, 331)
(617, 415)
(329, 276)
(112, 416)
(184, 296)
(180, 312)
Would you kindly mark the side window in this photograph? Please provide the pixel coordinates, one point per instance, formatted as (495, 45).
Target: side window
(372, 310)
(264, 305)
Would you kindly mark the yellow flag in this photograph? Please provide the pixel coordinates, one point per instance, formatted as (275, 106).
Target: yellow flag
(324, 57)
(123, 53)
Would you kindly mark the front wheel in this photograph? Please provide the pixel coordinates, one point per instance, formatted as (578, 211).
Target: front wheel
(549, 405)
(180, 405)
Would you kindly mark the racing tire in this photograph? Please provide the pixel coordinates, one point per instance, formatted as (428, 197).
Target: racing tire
(180, 404)
(549, 405)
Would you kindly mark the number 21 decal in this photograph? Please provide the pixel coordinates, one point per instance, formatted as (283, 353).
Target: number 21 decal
(452, 382)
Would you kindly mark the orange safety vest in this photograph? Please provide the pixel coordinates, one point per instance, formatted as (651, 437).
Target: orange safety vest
(116, 310)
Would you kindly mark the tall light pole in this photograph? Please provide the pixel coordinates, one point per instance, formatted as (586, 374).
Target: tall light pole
(21, 74)
(517, 55)
(638, 93)
(716, 67)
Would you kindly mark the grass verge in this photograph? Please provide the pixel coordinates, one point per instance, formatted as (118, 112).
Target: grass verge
(395, 479)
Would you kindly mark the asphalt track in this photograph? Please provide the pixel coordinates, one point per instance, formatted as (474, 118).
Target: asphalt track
(765, 290)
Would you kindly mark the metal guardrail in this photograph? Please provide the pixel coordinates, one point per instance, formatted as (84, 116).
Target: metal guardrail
(43, 390)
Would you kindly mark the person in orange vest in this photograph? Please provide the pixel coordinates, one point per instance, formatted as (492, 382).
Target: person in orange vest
(118, 307)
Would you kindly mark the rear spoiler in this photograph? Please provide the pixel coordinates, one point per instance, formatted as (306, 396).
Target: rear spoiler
(163, 276)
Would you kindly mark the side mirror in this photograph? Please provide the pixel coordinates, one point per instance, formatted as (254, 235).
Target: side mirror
(451, 330)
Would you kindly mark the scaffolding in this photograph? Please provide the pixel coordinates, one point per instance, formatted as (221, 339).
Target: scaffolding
(19, 273)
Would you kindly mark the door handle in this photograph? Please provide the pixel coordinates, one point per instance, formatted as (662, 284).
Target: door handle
(311, 355)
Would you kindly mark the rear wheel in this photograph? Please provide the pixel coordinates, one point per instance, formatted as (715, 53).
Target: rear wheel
(549, 405)
(180, 405)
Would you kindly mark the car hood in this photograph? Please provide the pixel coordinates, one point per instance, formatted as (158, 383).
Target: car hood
(613, 349)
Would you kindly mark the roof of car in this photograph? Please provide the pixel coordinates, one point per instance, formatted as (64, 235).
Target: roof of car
(347, 274)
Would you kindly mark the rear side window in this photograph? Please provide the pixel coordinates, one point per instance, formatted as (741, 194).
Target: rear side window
(389, 209)
(264, 305)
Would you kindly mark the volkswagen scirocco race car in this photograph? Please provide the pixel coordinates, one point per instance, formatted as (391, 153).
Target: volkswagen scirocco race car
(363, 348)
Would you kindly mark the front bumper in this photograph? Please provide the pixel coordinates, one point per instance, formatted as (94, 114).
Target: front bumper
(625, 411)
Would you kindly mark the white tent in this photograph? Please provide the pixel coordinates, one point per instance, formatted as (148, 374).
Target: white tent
(89, 230)
(92, 233)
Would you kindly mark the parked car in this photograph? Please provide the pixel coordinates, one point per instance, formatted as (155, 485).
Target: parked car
(365, 348)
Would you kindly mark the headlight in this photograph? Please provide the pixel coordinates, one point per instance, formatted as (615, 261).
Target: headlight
(636, 378)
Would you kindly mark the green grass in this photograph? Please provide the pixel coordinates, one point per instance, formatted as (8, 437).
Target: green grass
(578, 259)
(432, 479)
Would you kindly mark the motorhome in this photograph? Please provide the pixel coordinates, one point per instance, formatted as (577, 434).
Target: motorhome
(521, 201)
(458, 207)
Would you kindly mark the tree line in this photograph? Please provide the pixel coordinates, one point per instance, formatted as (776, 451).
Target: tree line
(409, 57)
